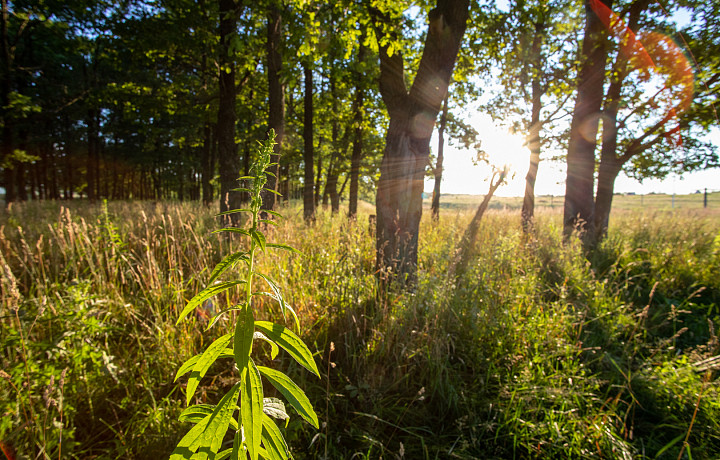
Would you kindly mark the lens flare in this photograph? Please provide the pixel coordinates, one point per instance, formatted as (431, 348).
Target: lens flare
(656, 57)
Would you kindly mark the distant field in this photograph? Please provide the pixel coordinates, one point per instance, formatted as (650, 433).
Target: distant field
(620, 202)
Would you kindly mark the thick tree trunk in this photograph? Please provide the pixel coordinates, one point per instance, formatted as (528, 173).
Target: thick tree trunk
(228, 161)
(276, 97)
(308, 189)
(610, 163)
(579, 203)
(412, 118)
(528, 207)
(356, 156)
(435, 207)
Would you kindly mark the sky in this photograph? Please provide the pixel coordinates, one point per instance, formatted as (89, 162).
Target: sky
(461, 176)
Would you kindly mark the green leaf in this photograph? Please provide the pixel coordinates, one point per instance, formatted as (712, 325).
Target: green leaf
(294, 395)
(251, 408)
(259, 238)
(273, 213)
(277, 295)
(290, 342)
(273, 440)
(241, 189)
(224, 454)
(242, 341)
(268, 221)
(205, 294)
(195, 414)
(185, 368)
(241, 231)
(227, 263)
(218, 424)
(190, 443)
(272, 191)
(219, 314)
(275, 408)
(190, 363)
(283, 246)
(274, 350)
(669, 445)
(232, 211)
(203, 364)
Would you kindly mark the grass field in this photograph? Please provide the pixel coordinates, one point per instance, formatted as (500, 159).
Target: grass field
(535, 352)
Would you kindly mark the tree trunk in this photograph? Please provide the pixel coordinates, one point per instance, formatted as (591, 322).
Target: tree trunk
(528, 207)
(308, 199)
(92, 145)
(435, 207)
(610, 163)
(407, 148)
(228, 161)
(207, 169)
(579, 203)
(358, 133)
(276, 98)
(5, 88)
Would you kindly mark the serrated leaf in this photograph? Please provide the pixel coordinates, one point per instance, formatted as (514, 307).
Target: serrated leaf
(242, 341)
(275, 408)
(290, 342)
(187, 366)
(196, 413)
(283, 246)
(219, 314)
(273, 191)
(203, 364)
(251, 407)
(190, 443)
(259, 238)
(241, 231)
(273, 213)
(226, 264)
(277, 295)
(273, 439)
(232, 211)
(274, 350)
(205, 294)
(292, 393)
(218, 424)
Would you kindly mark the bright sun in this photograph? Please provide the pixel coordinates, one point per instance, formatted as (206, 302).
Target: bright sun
(461, 176)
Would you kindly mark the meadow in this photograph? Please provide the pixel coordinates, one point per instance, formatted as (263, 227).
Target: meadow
(537, 351)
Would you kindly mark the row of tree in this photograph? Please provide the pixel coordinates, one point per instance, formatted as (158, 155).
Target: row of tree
(163, 99)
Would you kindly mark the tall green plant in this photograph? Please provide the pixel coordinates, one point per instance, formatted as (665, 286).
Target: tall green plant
(255, 433)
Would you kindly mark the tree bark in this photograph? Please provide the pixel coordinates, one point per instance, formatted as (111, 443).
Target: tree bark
(610, 163)
(5, 87)
(407, 148)
(534, 143)
(207, 169)
(357, 109)
(579, 204)
(276, 98)
(308, 186)
(435, 207)
(228, 161)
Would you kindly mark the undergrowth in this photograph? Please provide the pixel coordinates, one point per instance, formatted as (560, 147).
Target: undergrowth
(535, 352)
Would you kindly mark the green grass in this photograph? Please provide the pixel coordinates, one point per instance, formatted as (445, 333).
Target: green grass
(536, 352)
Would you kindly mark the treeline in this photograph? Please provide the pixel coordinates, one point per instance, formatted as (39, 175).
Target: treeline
(132, 99)
(165, 99)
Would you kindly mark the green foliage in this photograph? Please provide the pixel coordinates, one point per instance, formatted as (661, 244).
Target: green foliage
(255, 434)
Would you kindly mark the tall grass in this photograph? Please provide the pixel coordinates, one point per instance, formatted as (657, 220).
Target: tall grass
(535, 352)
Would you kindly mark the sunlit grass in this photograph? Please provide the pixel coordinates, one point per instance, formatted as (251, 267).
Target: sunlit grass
(535, 352)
